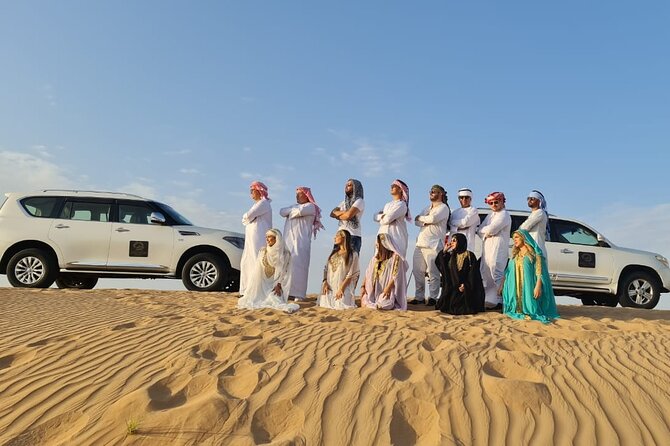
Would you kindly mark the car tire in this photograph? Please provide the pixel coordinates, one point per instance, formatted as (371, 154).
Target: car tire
(639, 289)
(77, 281)
(32, 268)
(205, 272)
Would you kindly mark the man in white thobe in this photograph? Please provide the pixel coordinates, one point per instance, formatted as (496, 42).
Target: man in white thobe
(495, 234)
(465, 219)
(257, 221)
(536, 223)
(302, 221)
(393, 218)
(433, 222)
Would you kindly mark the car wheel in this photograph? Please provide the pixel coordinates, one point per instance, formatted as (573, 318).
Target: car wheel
(204, 272)
(77, 281)
(639, 289)
(32, 268)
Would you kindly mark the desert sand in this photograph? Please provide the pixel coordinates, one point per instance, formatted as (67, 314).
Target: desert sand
(190, 368)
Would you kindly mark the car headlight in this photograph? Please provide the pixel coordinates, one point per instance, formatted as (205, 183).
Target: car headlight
(236, 241)
(663, 260)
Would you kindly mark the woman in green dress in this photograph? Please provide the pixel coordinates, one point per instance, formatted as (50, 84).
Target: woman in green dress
(526, 287)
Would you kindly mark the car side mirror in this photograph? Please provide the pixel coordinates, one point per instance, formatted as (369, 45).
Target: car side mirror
(602, 242)
(157, 218)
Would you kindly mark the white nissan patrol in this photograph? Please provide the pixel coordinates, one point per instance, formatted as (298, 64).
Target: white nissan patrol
(584, 264)
(75, 237)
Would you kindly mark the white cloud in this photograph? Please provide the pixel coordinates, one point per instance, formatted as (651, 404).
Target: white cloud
(189, 171)
(24, 172)
(375, 158)
(178, 152)
(139, 188)
(246, 149)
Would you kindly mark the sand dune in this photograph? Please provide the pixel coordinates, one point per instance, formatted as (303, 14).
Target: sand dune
(189, 368)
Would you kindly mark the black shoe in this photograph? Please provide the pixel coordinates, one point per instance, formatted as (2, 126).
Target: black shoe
(431, 302)
(415, 302)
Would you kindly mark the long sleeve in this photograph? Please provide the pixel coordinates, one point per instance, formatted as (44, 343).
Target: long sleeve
(259, 208)
(440, 215)
(496, 223)
(396, 210)
(533, 220)
(418, 221)
(284, 212)
(302, 210)
(470, 218)
(354, 267)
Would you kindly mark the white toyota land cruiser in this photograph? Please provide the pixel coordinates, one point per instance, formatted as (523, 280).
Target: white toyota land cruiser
(76, 237)
(584, 264)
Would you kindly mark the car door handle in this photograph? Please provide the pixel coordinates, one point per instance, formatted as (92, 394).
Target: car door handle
(567, 251)
(122, 230)
(61, 226)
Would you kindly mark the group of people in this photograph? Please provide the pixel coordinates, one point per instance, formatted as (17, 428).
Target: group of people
(447, 273)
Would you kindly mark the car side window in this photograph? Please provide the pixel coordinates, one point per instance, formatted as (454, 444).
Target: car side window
(40, 206)
(574, 233)
(135, 213)
(86, 211)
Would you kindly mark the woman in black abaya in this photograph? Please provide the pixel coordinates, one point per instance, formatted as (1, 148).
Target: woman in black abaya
(462, 289)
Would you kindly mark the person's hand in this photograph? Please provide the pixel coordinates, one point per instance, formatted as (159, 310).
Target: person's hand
(538, 290)
(500, 290)
(386, 293)
(277, 290)
(339, 294)
(461, 288)
(325, 287)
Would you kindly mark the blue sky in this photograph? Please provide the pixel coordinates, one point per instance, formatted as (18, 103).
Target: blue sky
(188, 102)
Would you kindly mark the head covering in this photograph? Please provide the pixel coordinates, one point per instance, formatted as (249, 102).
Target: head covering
(461, 243)
(278, 255)
(260, 187)
(495, 196)
(388, 243)
(465, 192)
(441, 189)
(405, 195)
(528, 240)
(356, 193)
(317, 218)
(543, 205)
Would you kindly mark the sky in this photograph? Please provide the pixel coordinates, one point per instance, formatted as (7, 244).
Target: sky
(188, 102)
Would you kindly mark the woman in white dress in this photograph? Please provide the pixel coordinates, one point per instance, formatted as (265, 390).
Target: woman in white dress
(340, 274)
(266, 287)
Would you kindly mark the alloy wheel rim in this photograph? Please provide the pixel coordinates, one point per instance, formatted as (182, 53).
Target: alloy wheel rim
(203, 274)
(29, 270)
(640, 291)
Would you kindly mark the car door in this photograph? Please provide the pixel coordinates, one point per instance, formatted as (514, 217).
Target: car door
(137, 244)
(82, 232)
(575, 258)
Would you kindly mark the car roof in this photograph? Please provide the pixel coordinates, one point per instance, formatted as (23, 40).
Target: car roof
(76, 193)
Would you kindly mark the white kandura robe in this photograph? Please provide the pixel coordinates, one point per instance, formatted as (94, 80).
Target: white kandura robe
(336, 272)
(495, 252)
(392, 222)
(298, 239)
(257, 220)
(260, 286)
(465, 221)
(536, 225)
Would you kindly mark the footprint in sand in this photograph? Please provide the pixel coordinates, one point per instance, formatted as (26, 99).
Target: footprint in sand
(216, 350)
(519, 387)
(330, 319)
(279, 422)
(226, 332)
(16, 359)
(414, 422)
(436, 341)
(124, 326)
(57, 430)
(175, 390)
(411, 370)
(239, 380)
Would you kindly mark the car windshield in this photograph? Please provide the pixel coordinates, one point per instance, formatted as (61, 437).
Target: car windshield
(176, 216)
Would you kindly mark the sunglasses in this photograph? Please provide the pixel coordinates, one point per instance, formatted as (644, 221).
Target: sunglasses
(494, 202)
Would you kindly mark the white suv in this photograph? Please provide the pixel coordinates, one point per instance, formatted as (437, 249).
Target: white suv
(76, 237)
(584, 264)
